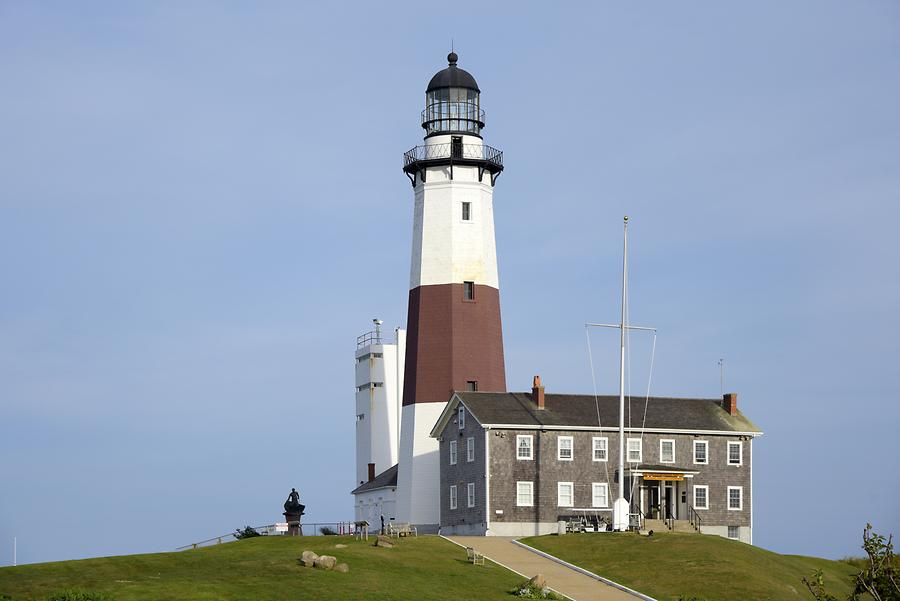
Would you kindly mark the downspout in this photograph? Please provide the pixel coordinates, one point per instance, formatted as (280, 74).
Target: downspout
(487, 484)
(750, 448)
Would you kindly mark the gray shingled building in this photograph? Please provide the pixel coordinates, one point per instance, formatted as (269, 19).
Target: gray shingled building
(515, 464)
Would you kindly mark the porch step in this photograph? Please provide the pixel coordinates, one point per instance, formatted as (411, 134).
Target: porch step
(655, 525)
(683, 526)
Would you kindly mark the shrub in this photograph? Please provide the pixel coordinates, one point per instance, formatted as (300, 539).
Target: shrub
(877, 578)
(327, 531)
(526, 590)
(247, 532)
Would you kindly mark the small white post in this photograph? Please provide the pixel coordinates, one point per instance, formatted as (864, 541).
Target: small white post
(15, 551)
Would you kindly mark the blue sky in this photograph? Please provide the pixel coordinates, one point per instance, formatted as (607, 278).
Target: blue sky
(201, 207)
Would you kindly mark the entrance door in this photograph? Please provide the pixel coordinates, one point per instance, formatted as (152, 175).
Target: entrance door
(653, 503)
(669, 501)
(456, 147)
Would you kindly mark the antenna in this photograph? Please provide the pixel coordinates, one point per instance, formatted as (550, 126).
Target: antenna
(378, 323)
(722, 376)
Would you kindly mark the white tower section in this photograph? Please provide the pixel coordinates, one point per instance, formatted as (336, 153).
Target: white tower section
(450, 247)
(379, 388)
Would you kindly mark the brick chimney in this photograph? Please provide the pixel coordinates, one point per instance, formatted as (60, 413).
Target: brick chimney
(371, 472)
(729, 402)
(537, 392)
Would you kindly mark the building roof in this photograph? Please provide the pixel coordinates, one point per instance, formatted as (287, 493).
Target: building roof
(452, 77)
(562, 411)
(386, 479)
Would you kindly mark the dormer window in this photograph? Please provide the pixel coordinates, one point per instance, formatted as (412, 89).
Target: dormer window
(461, 418)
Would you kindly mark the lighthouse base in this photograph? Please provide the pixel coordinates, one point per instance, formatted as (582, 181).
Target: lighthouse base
(418, 476)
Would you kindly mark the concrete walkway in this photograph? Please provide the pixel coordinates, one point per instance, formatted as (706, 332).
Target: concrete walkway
(575, 585)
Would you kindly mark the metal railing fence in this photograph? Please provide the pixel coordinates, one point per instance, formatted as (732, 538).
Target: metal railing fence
(345, 528)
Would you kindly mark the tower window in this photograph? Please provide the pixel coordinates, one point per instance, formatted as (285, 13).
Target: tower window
(472, 385)
(469, 291)
(467, 211)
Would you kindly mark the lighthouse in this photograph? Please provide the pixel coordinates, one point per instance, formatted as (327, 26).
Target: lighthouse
(454, 337)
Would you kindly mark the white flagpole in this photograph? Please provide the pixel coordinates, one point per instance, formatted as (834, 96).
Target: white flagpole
(620, 509)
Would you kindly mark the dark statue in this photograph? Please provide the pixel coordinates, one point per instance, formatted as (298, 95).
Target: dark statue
(293, 505)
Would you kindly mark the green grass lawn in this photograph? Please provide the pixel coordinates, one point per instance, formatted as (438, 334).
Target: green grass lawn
(667, 565)
(266, 568)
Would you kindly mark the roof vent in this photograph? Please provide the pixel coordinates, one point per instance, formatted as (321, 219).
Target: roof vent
(537, 392)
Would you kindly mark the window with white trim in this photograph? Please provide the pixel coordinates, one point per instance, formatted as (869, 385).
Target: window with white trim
(735, 498)
(701, 452)
(461, 417)
(600, 445)
(599, 494)
(564, 446)
(667, 451)
(735, 452)
(565, 494)
(524, 494)
(452, 452)
(470, 495)
(470, 449)
(523, 447)
(453, 496)
(734, 532)
(701, 497)
(634, 450)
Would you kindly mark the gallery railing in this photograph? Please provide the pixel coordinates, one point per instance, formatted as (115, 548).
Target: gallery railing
(453, 151)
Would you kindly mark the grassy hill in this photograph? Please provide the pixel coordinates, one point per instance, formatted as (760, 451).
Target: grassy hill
(266, 568)
(709, 567)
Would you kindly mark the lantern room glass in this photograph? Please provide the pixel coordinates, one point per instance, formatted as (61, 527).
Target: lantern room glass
(453, 110)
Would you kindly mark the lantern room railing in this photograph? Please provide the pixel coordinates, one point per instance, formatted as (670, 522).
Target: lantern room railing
(453, 116)
(454, 151)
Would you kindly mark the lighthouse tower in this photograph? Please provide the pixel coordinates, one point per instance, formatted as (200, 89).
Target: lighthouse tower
(454, 338)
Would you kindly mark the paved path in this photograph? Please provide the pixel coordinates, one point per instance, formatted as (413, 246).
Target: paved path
(500, 549)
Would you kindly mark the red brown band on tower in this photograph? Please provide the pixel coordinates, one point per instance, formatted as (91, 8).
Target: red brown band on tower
(452, 343)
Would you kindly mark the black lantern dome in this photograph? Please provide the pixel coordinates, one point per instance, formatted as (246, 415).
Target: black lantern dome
(452, 77)
(452, 102)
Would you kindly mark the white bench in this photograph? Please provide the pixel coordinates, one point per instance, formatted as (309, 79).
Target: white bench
(474, 556)
(401, 529)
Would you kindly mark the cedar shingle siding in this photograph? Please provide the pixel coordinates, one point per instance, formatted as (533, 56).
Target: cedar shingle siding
(504, 416)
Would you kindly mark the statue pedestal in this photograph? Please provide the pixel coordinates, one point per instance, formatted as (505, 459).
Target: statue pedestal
(294, 526)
